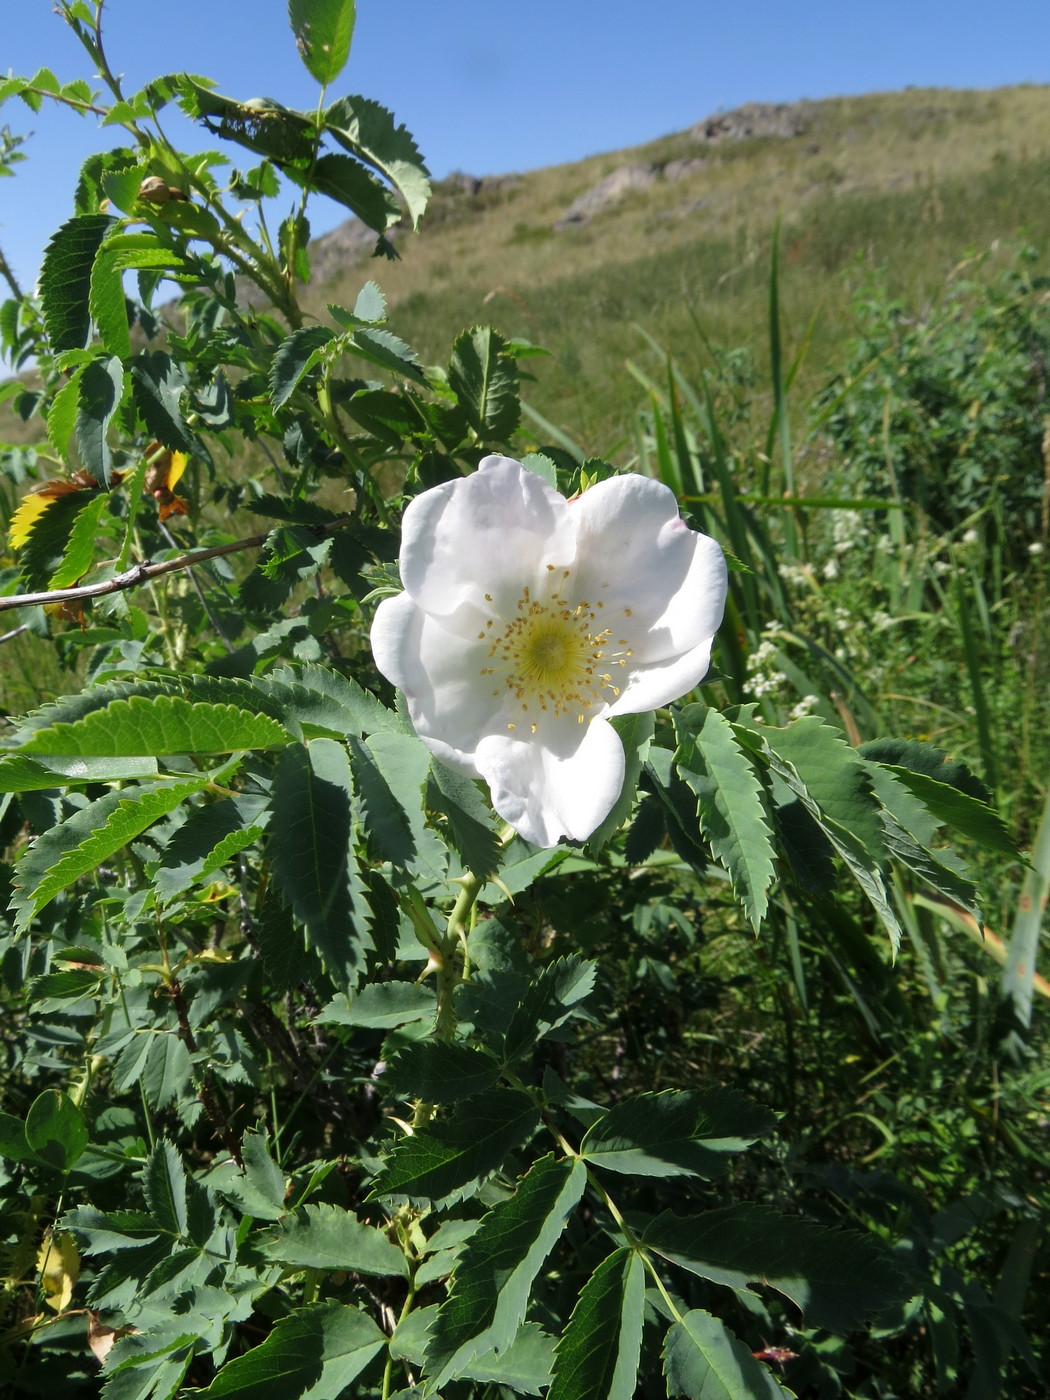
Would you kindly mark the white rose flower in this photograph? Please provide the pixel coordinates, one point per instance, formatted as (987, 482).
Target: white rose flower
(527, 621)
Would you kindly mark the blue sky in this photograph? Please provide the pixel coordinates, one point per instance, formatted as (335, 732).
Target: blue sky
(490, 87)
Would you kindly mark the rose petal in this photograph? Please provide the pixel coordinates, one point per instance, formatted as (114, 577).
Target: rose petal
(488, 533)
(663, 584)
(450, 703)
(562, 788)
(650, 687)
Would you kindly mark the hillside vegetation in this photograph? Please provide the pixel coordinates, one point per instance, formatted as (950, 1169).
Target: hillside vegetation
(914, 181)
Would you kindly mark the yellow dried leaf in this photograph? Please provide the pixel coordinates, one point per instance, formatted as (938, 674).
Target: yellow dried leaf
(58, 1264)
(29, 511)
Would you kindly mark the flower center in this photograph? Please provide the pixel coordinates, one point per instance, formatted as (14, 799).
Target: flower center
(554, 656)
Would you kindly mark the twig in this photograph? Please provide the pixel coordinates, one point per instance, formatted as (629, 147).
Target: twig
(142, 573)
(14, 632)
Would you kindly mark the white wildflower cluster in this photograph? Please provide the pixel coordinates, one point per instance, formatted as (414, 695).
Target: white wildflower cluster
(760, 680)
(792, 575)
(805, 706)
(847, 531)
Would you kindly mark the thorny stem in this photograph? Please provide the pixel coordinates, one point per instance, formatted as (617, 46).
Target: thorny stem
(406, 1308)
(142, 573)
(9, 277)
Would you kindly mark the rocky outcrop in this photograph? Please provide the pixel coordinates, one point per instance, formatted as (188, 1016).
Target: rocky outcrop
(752, 120)
(349, 242)
(607, 192)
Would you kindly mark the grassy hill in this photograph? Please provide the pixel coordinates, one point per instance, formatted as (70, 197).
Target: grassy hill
(914, 182)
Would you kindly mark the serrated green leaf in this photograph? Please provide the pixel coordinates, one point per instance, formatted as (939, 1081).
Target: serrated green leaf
(635, 733)
(497, 1267)
(156, 387)
(330, 1238)
(524, 1368)
(676, 1133)
(390, 770)
(471, 825)
(122, 185)
(106, 301)
(259, 1188)
(69, 985)
(809, 852)
(310, 848)
(282, 947)
(862, 864)
(210, 836)
(19, 774)
(381, 1006)
(383, 348)
(81, 843)
(350, 183)
(368, 130)
(62, 415)
(110, 1232)
(260, 124)
(312, 1354)
(730, 808)
(55, 1129)
(162, 724)
(370, 305)
(65, 279)
(166, 1072)
(542, 467)
(942, 871)
(959, 810)
(323, 30)
(550, 998)
(324, 701)
(82, 544)
(835, 1277)
(704, 1361)
(100, 392)
(164, 1186)
(442, 1160)
(835, 776)
(295, 357)
(150, 1366)
(485, 381)
(918, 756)
(597, 1356)
(439, 1072)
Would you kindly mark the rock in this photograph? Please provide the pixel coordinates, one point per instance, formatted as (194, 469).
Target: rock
(349, 242)
(608, 192)
(751, 120)
(682, 169)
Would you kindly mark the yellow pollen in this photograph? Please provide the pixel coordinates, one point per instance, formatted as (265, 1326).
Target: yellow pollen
(551, 654)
